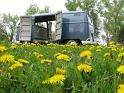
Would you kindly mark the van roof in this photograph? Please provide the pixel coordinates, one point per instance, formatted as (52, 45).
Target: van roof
(71, 12)
(53, 14)
(43, 17)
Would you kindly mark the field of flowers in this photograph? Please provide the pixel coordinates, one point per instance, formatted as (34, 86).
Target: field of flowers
(53, 68)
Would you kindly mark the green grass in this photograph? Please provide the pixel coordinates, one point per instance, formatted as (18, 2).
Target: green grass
(103, 79)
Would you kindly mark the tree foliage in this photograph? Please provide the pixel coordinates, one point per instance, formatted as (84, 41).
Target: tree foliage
(34, 9)
(121, 32)
(8, 25)
(71, 5)
(111, 10)
(3, 33)
(45, 10)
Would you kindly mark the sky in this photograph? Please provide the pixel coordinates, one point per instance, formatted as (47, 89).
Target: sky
(19, 6)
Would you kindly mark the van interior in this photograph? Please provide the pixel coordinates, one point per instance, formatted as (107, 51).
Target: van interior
(44, 26)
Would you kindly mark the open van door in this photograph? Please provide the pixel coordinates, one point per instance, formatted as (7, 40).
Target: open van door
(58, 18)
(25, 28)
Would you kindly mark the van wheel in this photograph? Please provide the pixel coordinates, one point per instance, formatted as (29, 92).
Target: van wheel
(71, 42)
(77, 41)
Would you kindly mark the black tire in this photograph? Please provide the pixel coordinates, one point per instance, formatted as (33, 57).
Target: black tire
(78, 42)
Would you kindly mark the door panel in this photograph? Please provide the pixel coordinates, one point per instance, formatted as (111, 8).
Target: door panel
(25, 28)
(58, 25)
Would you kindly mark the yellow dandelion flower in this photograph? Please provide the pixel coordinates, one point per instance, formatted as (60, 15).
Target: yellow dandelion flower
(60, 71)
(16, 65)
(2, 48)
(120, 69)
(99, 47)
(35, 53)
(86, 54)
(16, 62)
(39, 56)
(84, 67)
(32, 44)
(46, 61)
(113, 47)
(107, 54)
(66, 52)
(63, 57)
(91, 48)
(13, 46)
(122, 49)
(23, 61)
(118, 60)
(98, 50)
(120, 88)
(121, 55)
(7, 58)
(56, 79)
(112, 43)
(57, 54)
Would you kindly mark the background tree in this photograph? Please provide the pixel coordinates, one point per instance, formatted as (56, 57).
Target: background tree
(34, 9)
(71, 5)
(111, 10)
(3, 33)
(45, 10)
(9, 25)
(121, 31)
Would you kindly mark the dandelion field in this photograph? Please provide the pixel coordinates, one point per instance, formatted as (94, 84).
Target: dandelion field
(53, 68)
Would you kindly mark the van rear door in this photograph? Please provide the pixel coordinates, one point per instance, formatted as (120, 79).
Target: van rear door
(58, 25)
(25, 28)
